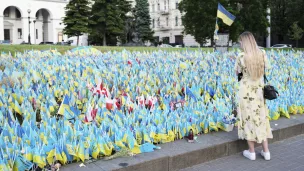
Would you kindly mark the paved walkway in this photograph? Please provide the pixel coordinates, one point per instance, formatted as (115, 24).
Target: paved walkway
(287, 155)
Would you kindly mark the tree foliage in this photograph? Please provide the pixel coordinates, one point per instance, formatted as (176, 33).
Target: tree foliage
(130, 28)
(283, 14)
(295, 32)
(199, 17)
(76, 19)
(107, 21)
(143, 21)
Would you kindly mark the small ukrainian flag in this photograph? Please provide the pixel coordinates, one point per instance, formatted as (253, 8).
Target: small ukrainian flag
(226, 16)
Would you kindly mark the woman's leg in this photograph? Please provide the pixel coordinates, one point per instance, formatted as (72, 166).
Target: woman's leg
(251, 146)
(265, 146)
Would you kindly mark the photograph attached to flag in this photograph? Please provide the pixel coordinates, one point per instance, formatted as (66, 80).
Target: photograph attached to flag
(226, 16)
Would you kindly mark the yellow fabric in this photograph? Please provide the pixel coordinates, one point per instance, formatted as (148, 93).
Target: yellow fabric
(136, 150)
(252, 112)
(225, 18)
(50, 157)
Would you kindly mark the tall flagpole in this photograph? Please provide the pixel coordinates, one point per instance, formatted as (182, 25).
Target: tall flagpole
(215, 36)
(268, 40)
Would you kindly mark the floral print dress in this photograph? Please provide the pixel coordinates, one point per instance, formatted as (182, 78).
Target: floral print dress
(252, 110)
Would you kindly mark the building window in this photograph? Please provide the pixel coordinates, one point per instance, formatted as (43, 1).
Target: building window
(167, 21)
(168, 4)
(165, 5)
(166, 40)
(176, 21)
(156, 39)
(19, 33)
(153, 8)
(158, 7)
(6, 12)
(18, 14)
(36, 33)
(153, 23)
(158, 22)
(176, 4)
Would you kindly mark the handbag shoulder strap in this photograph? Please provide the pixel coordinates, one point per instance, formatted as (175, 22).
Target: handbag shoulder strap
(265, 78)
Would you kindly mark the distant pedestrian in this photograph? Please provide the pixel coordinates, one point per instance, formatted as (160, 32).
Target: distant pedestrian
(62, 42)
(252, 110)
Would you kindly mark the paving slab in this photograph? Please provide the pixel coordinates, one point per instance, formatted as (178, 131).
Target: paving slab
(289, 157)
(180, 154)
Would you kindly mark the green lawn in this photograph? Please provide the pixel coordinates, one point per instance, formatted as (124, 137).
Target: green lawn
(62, 49)
(21, 48)
(301, 49)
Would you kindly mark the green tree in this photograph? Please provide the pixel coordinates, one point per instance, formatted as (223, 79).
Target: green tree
(143, 21)
(107, 21)
(283, 14)
(296, 11)
(76, 18)
(199, 18)
(129, 29)
(295, 33)
(279, 18)
(253, 16)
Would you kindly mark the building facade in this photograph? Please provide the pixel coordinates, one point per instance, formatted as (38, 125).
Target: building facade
(167, 23)
(39, 19)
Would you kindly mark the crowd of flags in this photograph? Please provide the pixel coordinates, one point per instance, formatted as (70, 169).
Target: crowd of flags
(87, 104)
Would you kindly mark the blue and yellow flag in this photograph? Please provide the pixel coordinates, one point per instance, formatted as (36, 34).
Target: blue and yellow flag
(65, 109)
(22, 164)
(39, 159)
(216, 31)
(226, 16)
(3, 165)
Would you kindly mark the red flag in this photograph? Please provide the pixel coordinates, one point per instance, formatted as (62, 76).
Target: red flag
(138, 61)
(109, 104)
(130, 63)
(91, 114)
(118, 103)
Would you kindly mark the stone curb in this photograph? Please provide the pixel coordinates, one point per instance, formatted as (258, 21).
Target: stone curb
(181, 154)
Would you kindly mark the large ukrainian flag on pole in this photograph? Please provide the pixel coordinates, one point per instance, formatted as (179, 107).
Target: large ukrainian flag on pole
(226, 16)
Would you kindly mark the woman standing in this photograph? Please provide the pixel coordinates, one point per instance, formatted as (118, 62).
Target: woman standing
(252, 110)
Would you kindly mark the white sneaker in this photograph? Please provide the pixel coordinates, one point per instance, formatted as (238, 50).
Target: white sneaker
(265, 155)
(250, 156)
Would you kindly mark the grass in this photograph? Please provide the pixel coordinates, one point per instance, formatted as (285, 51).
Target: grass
(300, 49)
(21, 48)
(62, 49)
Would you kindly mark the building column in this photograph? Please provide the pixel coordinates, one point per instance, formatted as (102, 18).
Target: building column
(1, 28)
(54, 32)
(25, 30)
(32, 30)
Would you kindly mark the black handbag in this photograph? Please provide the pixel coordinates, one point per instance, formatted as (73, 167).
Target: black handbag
(270, 93)
(240, 76)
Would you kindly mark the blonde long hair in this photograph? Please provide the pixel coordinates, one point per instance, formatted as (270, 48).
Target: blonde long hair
(254, 57)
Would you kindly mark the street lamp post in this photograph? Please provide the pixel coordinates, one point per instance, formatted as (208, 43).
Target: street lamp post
(29, 35)
(34, 32)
